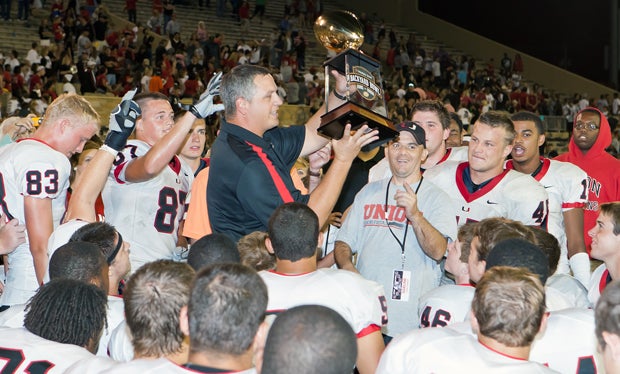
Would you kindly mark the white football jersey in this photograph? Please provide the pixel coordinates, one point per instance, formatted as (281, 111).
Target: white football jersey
(568, 344)
(115, 315)
(566, 185)
(445, 305)
(60, 236)
(436, 350)
(359, 301)
(381, 170)
(563, 291)
(329, 240)
(96, 364)
(598, 281)
(147, 214)
(13, 317)
(22, 352)
(29, 168)
(119, 345)
(157, 366)
(511, 194)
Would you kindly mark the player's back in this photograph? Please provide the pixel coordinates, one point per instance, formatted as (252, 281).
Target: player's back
(21, 350)
(14, 317)
(443, 350)
(119, 346)
(93, 365)
(114, 316)
(568, 344)
(563, 292)
(445, 305)
(157, 366)
(359, 301)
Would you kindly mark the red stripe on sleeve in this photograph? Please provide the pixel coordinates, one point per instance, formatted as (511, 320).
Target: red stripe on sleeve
(285, 194)
(367, 331)
(572, 205)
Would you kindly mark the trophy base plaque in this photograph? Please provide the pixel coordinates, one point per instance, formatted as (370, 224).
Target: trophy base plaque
(334, 122)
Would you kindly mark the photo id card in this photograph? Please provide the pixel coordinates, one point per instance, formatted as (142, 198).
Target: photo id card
(401, 283)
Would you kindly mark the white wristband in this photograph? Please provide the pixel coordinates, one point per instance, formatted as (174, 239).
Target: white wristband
(109, 149)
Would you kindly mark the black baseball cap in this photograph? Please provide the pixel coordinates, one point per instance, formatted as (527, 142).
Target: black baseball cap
(417, 131)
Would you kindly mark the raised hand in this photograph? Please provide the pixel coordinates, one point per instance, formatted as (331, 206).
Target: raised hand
(122, 121)
(335, 219)
(409, 200)
(341, 83)
(17, 127)
(205, 107)
(348, 147)
(319, 158)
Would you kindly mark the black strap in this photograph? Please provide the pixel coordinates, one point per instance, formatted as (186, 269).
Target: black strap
(401, 244)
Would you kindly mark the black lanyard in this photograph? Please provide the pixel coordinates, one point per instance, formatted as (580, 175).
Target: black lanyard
(401, 244)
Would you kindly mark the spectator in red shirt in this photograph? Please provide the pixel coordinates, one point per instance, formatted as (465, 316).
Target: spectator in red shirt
(192, 85)
(35, 79)
(131, 7)
(244, 17)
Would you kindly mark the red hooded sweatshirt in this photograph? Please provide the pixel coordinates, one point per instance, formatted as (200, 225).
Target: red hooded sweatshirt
(603, 173)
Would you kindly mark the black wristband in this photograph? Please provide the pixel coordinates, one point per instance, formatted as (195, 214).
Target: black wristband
(339, 96)
(192, 109)
(310, 173)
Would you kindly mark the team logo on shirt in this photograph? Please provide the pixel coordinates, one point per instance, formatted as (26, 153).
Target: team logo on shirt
(378, 214)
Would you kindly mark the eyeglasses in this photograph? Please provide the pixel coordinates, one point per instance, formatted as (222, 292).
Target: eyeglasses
(590, 126)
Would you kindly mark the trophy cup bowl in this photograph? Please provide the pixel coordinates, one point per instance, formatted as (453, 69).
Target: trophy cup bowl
(338, 31)
(342, 32)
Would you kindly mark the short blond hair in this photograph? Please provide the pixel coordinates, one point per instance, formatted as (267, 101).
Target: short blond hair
(254, 253)
(73, 106)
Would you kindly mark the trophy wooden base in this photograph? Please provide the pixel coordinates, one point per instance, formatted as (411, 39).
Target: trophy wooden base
(334, 122)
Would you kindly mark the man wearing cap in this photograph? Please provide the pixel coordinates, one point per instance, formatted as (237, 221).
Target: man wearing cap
(434, 118)
(399, 229)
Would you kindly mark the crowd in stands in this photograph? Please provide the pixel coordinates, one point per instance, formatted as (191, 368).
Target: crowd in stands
(78, 50)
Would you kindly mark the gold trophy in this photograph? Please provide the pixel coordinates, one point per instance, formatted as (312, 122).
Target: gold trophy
(341, 31)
